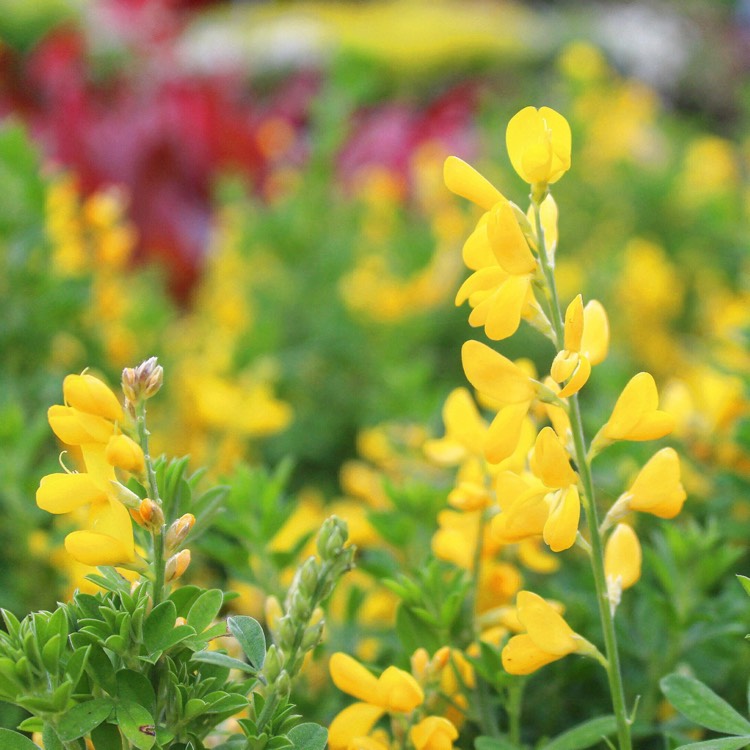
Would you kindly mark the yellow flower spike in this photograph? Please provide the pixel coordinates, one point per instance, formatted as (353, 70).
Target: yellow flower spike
(561, 529)
(398, 691)
(89, 394)
(433, 733)
(464, 180)
(539, 144)
(124, 453)
(636, 415)
(351, 677)
(75, 427)
(64, 493)
(353, 723)
(551, 462)
(508, 242)
(495, 376)
(595, 339)
(657, 489)
(504, 433)
(622, 557)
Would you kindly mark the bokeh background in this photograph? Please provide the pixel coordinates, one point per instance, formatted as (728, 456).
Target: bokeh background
(252, 192)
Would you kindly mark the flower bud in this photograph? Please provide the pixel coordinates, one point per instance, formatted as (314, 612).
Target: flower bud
(178, 531)
(176, 565)
(143, 381)
(272, 664)
(332, 536)
(152, 514)
(283, 685)
(313, 635)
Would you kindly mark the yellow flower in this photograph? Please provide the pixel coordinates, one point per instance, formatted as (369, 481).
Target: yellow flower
(586, 343)
(539, 143)
(464, 431)
(551, 462)
(495, 376)
(394, 691)
(636, 415)
(433, 733)
(124, 453)
(657, 488)
(547, 638)
(88, 394)
(622, 557)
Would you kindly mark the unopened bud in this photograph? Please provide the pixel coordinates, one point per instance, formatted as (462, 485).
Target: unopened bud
(308, 575)
(178, 531)
(272, 664)
(332, 536)
(440, 659)
(176, 565)
(299, 607)
(313, 636)
(180, 621)
(286, 631)
(143, 381)
(127, 497)
(152, 514)
(283, 685)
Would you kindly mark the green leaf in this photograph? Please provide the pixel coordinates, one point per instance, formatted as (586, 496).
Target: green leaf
(250, 636)
(50, 739)
(76, 664)
(10, 740)
(31, 724)
(81, 719)
(106, 737)
(584, 735)
(700, 704)
(493, 743)
(205, 609)
(723, 743)
(135, 687)
(158, 625)
(745, 581)
(308, 736)
(222, 660)
(137, 724)
(184, 597)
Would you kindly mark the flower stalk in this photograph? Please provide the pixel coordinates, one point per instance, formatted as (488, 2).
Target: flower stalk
(612, 664)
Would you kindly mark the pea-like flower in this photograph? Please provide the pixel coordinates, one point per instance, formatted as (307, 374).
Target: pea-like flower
(636, 415)
(547, 638)
(622, 562)
(586, 344)
(88, 420)
(395, 691)
(433, 733)
(539, 144)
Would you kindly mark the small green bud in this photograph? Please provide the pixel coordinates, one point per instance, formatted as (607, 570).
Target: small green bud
(313, 636)
(283, 685)
(272, 664)
(332, 537)
(286, 631)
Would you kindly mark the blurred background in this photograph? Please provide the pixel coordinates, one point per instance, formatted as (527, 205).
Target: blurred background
(252, 191)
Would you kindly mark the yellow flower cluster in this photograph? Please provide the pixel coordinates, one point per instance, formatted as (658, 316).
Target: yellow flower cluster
(531, 482)
(92, 421)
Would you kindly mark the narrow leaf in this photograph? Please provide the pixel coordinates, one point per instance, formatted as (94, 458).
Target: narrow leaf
(723, 743)
(700, 704)
(222, 660)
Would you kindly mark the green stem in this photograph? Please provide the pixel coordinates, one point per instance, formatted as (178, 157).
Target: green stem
(588, 501)
(487, 719)
(157, 535)
(515, 696)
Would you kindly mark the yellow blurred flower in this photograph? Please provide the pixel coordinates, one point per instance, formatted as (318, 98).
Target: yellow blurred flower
(433, 733)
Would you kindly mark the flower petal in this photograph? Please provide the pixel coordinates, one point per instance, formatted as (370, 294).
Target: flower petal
(91, 548)
(64, 493)
(464, 180)
(496, 376)
(399, 691)
(354, 721)
(545, 626)
(522, 656)
(622, 556)
(561, 529)
(351, 677)
(89, 394)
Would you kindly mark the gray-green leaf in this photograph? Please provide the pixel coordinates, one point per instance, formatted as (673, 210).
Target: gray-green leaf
(250, 636)
(700, 704)
(308, 736)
